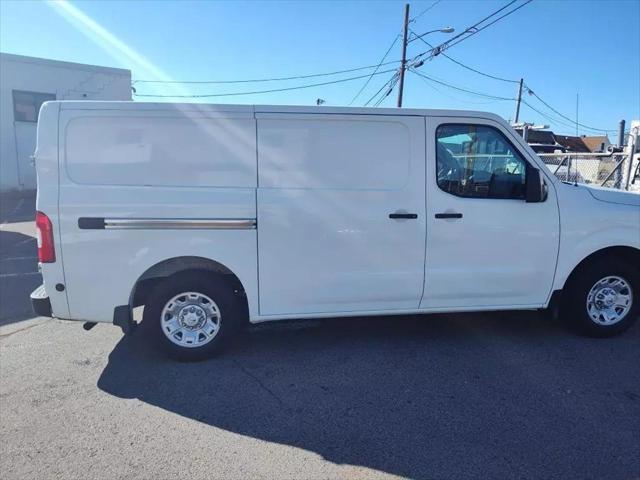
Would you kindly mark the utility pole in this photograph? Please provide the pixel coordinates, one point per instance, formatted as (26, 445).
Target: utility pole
(403, 65)
(518, 101)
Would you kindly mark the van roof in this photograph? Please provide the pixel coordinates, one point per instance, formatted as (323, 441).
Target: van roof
(219, 108)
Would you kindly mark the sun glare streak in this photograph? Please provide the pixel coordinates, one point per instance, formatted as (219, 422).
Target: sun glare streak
(112, 45)
(126, 55)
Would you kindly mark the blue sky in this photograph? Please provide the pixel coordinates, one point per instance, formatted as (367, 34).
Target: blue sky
(560, 48)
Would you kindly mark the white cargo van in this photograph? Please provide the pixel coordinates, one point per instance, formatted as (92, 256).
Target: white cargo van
(212, 216)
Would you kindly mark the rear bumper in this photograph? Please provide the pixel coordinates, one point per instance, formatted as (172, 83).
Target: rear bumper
(40, 302)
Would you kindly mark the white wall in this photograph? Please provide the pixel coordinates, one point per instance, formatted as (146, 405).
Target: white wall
(67, 81)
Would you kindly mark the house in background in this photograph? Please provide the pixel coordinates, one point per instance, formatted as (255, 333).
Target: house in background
(546, 141)
(592, 169)
(572, 144)
(584, 143)
(541, 141)
(598, 144)
(584, 169)
(25, 84)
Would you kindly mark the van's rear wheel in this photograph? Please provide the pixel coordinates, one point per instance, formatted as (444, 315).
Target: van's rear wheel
(191, 315)
(603, 299)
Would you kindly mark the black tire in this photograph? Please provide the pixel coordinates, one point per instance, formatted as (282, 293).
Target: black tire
(574, 306)
(214, 287)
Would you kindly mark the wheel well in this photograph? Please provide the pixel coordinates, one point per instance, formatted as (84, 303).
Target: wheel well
(628, 254)
(155, 274)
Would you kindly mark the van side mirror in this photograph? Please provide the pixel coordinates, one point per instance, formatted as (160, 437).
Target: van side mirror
(536, 189)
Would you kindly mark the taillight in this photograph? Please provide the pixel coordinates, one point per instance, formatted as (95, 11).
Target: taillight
(46, 250)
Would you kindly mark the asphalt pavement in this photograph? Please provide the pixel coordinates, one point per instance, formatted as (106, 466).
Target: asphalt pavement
(473, 396)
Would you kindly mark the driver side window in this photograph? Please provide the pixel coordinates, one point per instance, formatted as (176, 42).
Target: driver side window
(477, 161)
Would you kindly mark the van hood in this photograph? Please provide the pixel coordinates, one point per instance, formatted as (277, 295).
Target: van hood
(610, 195)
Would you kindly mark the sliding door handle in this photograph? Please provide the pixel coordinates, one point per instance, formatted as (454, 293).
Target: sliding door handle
(448, 215)
(412, 216)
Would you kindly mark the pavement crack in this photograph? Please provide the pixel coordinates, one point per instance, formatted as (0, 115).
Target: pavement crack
(259, 382)
(6, 335)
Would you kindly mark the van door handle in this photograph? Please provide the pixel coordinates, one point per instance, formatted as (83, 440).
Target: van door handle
(412, 216)
(448, 215)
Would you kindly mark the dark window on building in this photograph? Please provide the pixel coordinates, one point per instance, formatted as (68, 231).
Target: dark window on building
(26, 105)
(477, 161)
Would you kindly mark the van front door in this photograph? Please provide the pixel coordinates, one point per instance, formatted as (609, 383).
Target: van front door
(486, 246)
(341, 213)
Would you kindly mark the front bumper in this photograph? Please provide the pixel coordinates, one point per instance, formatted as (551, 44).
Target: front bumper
(40, 302)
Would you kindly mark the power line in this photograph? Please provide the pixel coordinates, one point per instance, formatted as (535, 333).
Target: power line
(467, 33)
(573, 122)
(434, 51)
(467, 66)
(391, 87)
(479, 72)
(297, 77)
(377, 93)
(373, 73)
(458, 99)
(472, 28)
(495, 97)
(386, 84)
(549, 117)
(554, 120)
(471, 34)
(425, 11)
(257, 80)
(299, 87)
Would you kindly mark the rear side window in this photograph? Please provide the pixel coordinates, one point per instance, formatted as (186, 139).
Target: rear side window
(477, 161)
(26, 105)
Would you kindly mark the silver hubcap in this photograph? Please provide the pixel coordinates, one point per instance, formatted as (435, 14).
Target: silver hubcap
(609, 300)
(190, 319)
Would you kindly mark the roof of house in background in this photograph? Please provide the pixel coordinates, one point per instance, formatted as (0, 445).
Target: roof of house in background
(595, 143)
(539, 136)
(574, 144)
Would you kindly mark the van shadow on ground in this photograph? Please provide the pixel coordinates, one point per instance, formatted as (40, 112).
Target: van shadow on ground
(450, 396)
(18, 276)
(17, 206)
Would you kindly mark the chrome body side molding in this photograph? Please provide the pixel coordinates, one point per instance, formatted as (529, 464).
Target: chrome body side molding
(93, 223)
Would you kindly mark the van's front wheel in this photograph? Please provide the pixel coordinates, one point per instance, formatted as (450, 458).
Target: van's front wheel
(604, 298)
(191, 315)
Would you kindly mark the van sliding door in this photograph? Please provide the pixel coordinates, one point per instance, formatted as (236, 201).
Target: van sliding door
(341, 212)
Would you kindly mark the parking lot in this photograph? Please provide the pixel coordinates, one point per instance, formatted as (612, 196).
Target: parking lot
(492, 395)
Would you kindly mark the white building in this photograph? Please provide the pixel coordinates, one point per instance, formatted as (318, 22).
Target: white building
(26, 83)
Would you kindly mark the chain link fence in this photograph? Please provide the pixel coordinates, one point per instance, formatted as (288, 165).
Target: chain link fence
(603, 169)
